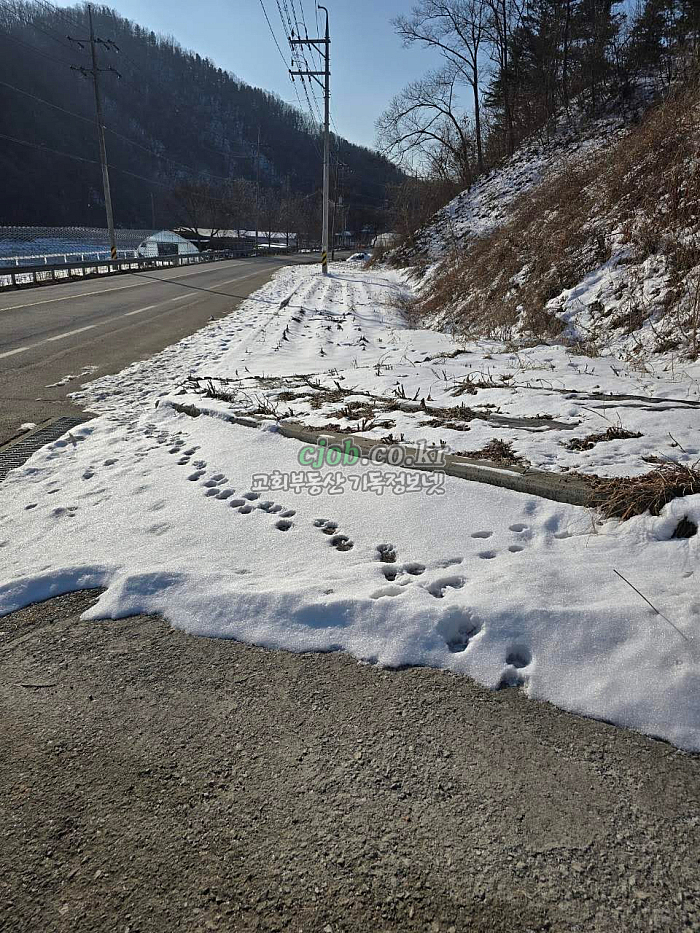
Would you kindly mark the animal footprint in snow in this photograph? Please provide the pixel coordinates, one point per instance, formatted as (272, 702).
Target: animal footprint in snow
(329, 528)
(217, 480)
(482, 534)
(387, 553)
(487, 555)
(322, 522)
(462, 635)
(518, 527)
(413, 569)
(159, 529)
(284, 524)
(517, 658)
(193, 477)
(342, 543)
(439, 587)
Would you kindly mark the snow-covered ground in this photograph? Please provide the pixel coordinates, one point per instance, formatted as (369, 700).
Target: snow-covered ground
(234, 531)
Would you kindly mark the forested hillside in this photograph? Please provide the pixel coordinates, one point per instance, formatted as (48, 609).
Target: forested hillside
(589, 233)
(518, 71)
(182, 134)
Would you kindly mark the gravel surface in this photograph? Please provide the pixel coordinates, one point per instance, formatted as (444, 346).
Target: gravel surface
(154, 781)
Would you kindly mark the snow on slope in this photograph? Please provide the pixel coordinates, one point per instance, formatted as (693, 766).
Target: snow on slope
(171, 513)
(588, 238)
(489, 202)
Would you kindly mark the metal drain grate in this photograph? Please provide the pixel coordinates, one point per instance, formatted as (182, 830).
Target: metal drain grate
(19, 451)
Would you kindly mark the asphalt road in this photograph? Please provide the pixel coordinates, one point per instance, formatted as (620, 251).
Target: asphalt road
(153, 782)
(55, 331)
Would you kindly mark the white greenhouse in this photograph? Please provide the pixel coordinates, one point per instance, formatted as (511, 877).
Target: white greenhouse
(165, 243)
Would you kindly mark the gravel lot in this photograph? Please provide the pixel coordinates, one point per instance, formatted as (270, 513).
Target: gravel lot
(154, 781)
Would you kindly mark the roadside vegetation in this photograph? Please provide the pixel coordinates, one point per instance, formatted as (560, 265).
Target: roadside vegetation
(579, 173)
(633, 206)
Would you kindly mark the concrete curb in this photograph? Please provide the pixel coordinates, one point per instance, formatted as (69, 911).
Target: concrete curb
(555, 486)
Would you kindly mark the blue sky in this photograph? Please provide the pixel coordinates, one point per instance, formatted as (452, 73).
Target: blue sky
(368, 62)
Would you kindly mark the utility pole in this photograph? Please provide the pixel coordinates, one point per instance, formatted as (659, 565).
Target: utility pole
(337, 202)
(257, 192)
(324, 47)
(94, 72)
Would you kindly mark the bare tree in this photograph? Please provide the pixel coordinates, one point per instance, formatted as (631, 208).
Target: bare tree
(240, 200)
(423, 123)
(199, 207)
(457, 28)
(269, 208)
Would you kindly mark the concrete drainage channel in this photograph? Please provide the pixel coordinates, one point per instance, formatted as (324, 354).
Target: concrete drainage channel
(17, 451)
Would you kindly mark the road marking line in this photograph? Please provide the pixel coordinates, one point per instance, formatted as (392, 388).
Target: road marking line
(68, 333)
(139, 310)
(12, 352)
(80, 330)
(107, 291)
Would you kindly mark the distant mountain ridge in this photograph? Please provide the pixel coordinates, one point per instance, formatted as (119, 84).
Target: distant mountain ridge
(172, 118)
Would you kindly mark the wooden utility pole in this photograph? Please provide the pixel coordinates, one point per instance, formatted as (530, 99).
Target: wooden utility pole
(94, 73)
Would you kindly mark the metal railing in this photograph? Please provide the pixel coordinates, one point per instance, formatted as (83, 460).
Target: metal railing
(44, 259)
(48, 274)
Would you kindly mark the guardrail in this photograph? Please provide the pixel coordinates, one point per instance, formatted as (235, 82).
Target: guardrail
(31, 276)
(54, 259)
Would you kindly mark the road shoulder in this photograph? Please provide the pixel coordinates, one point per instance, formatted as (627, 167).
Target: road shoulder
(155, 780)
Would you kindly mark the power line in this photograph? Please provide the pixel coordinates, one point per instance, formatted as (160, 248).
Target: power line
(126, 139)
(286, 65)
(272, 33)
(68, 155)
(288, 30)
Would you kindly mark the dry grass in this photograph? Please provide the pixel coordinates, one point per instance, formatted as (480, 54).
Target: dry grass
(647, 185)
(497, 450)
(626, 496)
(409, 306)
(614, 433)
(548, 234)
